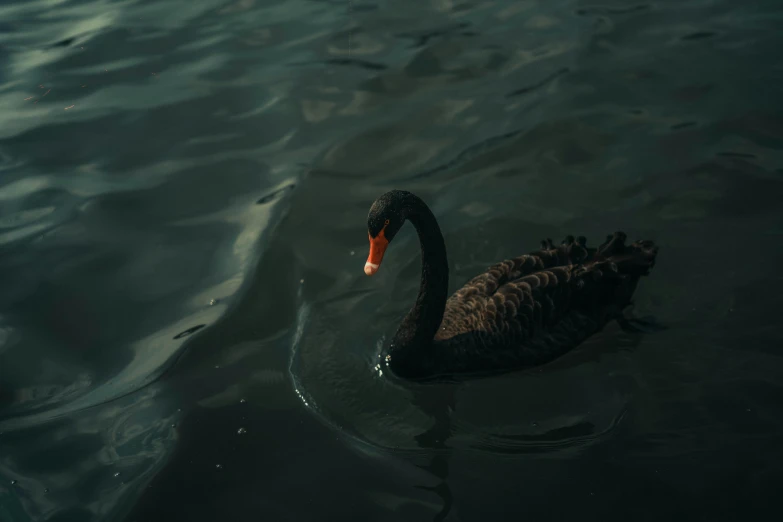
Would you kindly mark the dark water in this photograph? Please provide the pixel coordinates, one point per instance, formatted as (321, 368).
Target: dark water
(186, 332)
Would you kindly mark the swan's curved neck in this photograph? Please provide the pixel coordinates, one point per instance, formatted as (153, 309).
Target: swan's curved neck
(417, 330)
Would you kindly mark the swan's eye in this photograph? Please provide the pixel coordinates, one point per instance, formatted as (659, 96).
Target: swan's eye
(386, 222)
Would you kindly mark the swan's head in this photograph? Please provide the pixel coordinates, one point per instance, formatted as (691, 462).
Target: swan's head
(386, 217)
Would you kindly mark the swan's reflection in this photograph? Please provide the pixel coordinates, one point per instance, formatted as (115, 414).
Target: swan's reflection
(438, 403)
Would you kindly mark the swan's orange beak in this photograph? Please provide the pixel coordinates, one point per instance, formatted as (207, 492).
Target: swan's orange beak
(378, 246)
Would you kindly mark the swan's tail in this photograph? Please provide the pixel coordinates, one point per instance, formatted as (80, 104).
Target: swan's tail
(636, 259)
(608, 274)
(614, 268)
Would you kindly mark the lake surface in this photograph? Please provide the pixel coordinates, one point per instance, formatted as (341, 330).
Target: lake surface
(186, 331)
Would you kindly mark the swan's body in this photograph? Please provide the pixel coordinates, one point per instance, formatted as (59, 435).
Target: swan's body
(521, 312)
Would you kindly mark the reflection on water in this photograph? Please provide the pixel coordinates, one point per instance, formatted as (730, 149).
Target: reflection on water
(186, 332)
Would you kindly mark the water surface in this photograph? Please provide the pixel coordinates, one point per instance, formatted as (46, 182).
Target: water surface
(186, 332)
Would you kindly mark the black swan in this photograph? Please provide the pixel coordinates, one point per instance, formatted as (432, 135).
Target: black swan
(521, 312)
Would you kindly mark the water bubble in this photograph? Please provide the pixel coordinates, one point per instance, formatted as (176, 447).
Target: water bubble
(117, 474)
(173, 424)
(301, 281)
(46, 490)
(241, 431)
(242, 401)
(13, 482)
(219, 466)
(217, 366)
(213, 302)
(352, 252)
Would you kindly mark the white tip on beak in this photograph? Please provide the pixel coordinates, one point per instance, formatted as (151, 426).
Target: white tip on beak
(370, 268)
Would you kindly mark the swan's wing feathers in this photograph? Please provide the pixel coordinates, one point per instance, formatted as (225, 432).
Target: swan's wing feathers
(506, 327)
(467, 309)
(565, 304)
(539, 315)
(498, 274)
(570, 252)
(534, 302)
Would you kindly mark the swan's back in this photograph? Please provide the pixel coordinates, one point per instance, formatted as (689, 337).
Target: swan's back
(529, 310)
